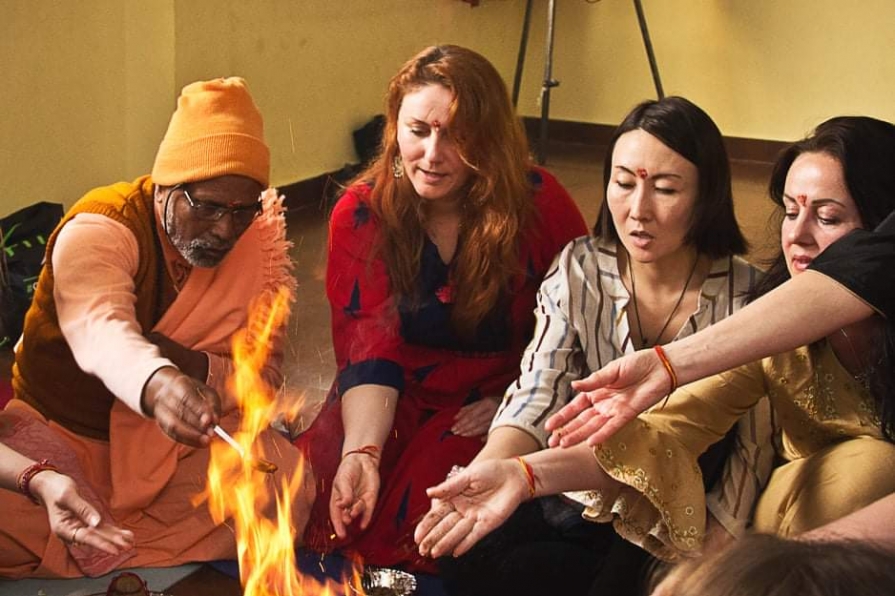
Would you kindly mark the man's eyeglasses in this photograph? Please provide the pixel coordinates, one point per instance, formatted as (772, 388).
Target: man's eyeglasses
(241, 216)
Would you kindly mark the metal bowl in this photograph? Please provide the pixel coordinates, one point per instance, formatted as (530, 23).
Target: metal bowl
(382, 581)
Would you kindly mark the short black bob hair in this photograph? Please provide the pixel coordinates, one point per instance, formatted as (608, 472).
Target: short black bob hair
(687, 130)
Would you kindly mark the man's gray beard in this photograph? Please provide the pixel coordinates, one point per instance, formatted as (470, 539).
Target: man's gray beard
(195, 253)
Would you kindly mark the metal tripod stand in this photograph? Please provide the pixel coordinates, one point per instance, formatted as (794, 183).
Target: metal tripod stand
(549, 82)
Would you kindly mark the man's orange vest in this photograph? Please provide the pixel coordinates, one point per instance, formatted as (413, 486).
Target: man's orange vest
(45, 374)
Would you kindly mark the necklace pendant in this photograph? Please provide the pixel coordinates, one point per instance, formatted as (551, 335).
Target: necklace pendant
(677, 305)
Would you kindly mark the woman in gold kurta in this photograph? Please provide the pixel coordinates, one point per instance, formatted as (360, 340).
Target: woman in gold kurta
(823, 476)
(833, 399)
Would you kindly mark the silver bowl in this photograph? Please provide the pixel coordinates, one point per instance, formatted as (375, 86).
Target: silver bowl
(382, 581)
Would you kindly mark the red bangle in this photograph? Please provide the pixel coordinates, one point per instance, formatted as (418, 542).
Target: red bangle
(371, 450)
(529, 476)
(672, 376)
(23, 482)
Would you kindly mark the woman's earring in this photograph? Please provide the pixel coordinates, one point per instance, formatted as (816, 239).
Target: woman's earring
(398, 167)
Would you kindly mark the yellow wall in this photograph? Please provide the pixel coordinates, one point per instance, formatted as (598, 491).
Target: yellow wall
(61, 99)
(90, 85)
(767, 69)
(87, 91)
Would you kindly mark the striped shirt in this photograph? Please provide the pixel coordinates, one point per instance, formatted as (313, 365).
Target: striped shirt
(582, 325)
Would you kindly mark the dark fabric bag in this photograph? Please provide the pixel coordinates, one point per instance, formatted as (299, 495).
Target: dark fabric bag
(23, 239)
(367, 139)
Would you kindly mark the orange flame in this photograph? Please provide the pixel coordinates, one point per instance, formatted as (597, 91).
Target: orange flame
(260, 508)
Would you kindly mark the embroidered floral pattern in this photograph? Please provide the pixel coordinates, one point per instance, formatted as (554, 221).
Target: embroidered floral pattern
(649, 532)
(818, 404)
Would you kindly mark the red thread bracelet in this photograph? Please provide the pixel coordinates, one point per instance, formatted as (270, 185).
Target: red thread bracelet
(672, 376)
(371, 450)
(23, 482)
(529, 476)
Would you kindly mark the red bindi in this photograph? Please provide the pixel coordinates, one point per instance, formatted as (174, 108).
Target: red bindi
(802, 199)
(642, 173)
(436, 124)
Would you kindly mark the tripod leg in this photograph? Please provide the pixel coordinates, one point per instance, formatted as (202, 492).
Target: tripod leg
(523, 46)
(548, 84)
(650, 55)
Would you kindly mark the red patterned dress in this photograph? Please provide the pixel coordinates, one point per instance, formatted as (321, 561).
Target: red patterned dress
(379, 339)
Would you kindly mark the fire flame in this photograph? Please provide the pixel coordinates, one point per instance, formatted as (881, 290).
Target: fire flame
(260, 505)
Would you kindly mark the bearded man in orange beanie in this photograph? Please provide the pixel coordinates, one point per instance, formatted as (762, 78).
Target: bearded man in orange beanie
(120, 375)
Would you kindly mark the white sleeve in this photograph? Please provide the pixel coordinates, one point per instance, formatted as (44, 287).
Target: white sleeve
(94, 263)
(552, 360)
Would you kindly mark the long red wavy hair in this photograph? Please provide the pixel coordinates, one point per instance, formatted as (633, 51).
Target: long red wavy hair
(490, 140)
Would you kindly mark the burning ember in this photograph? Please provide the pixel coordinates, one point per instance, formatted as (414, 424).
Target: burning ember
(260, 504)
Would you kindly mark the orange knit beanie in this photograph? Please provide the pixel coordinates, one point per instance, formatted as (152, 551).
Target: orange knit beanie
(215, 131)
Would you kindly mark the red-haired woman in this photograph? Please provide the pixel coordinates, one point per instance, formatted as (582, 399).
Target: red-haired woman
(435, 257)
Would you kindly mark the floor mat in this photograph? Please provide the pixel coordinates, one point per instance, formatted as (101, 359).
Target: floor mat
(158, 579)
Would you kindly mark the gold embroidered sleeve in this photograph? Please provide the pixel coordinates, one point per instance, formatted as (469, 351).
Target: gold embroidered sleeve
(662, 506)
